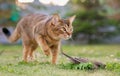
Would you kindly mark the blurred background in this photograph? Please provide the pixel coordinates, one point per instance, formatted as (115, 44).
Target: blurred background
(97, 21)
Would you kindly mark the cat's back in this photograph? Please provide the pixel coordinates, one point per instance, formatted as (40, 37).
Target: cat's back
(33, 19)
(28, 22)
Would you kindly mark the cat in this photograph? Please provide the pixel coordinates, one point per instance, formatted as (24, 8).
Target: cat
(41, 30)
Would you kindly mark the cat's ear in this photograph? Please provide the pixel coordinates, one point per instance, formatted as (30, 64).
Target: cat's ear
(55, 19)
(71, 19)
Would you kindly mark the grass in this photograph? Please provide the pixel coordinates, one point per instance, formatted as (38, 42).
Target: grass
(11, 61)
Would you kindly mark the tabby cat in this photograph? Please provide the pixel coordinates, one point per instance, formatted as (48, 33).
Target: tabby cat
(43, 30)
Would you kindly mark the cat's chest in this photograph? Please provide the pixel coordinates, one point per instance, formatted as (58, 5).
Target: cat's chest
(52, 42)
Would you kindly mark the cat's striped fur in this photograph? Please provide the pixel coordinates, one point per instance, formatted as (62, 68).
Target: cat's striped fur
(45, 31)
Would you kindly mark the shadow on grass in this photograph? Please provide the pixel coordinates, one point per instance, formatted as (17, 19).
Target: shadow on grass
(21, 67)
(34, 63)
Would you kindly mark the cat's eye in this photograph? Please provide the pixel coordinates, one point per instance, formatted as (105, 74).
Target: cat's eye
(64, 29)
(67, 25)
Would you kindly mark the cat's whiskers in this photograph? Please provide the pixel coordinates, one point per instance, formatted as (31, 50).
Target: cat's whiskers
(72, 39)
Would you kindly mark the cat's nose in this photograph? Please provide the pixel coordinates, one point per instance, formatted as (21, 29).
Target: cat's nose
(69, 33)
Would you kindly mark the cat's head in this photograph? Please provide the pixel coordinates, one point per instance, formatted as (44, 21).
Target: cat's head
(62, 28)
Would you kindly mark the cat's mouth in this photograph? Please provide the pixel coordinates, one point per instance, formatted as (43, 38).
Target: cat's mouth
(66, 37)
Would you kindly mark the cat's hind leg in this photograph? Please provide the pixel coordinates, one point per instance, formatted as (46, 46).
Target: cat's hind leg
(25, 53)
(28, 52)
(31, 56)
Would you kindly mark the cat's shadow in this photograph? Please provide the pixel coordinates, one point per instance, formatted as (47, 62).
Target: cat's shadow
(33, 63)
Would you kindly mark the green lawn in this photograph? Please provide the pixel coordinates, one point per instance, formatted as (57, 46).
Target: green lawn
(11, 57)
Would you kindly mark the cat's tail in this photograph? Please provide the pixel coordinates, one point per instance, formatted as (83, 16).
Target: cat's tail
(12, 37)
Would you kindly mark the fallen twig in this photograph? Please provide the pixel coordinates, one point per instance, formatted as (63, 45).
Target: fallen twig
(84, 60)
